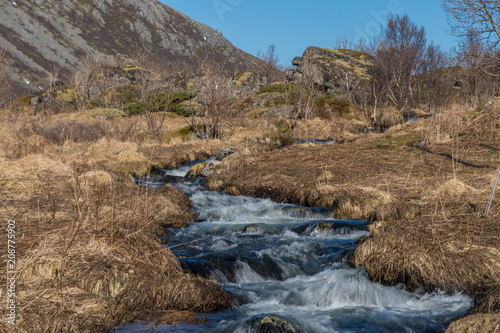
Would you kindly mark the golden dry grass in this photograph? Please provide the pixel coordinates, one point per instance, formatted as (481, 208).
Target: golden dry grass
(340, 129)
(479, 323)
(89, 255)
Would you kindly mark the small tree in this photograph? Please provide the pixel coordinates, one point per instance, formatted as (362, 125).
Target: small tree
(481, 16)
(398, 56)
(479, 20)
(432, 79)
(155, 92)
(217, 96)
(271, 68)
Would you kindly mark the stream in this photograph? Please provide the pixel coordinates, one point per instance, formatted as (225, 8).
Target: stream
(289, 263)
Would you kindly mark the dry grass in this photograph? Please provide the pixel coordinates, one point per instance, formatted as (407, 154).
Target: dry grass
(91, 258)
(89, 255)
(340, 129)
(452, 252)
(479, 323)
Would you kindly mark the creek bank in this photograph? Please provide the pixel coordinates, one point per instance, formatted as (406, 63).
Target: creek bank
(290, 260)
(114, 268)
(429, 232)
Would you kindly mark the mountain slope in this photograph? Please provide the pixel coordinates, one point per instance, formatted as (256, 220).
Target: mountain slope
(41, 35)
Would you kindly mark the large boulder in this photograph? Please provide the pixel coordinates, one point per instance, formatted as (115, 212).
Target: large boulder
(336, 72)
(203, 169)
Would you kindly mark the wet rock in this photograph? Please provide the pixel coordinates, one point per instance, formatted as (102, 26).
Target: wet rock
(225, 152)
(267, 267)
(203, 169)
(209, 168)
(269, 324)
(196, 170)
(250, 229)
(301, 230)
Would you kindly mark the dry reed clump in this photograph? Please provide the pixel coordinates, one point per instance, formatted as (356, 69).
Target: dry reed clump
(451, 188)
(359, 202)
(390, 117)
(339, 129)
(99, 262)
(351, 202)
(423, 252)
(172, 156)
(478, 323)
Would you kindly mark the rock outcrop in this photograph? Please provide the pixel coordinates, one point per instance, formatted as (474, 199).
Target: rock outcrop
(337, 72)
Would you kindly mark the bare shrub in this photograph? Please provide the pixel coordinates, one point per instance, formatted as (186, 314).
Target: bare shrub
(397, 58)
(157, 84)
(217, 96)
(304, 101)
(271, 67)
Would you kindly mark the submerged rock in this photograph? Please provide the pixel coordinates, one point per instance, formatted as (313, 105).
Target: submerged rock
(250, 229)
(269, 324)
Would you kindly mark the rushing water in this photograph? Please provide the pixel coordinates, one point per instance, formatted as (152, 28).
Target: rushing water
(290, 261)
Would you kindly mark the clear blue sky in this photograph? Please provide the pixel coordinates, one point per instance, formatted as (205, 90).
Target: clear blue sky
(293, 25)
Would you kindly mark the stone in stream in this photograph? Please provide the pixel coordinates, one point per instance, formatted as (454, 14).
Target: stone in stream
(209, 168)
(250, 229)
(196, 169)
(225, 152)
(306, 229)
(269, 324)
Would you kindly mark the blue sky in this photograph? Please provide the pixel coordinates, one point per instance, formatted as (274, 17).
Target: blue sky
(294, 25)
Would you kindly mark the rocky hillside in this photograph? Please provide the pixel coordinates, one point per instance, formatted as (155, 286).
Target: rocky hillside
(41, 35)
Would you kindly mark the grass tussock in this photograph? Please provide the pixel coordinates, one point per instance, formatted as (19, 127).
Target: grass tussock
(451, 188)
(423, 253)
(479, 323)
(94, 259)
(339, 129)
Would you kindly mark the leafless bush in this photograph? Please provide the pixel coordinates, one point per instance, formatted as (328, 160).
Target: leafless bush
(477, 63)
(97, 82)
(217, 96)
(271, 67)
(123, 131)
(397, 59)
(433, 80)
(50, 103)
(156, 85)
(306, 93)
